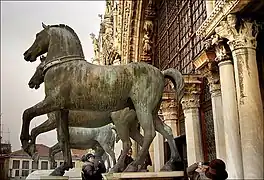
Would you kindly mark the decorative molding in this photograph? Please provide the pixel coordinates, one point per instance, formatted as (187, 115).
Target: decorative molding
(126, 28)
(242, 36)
(222, 8)
(191, 98)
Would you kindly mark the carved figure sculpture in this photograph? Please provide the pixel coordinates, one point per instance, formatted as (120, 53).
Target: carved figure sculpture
(72, 83)
(95, 45)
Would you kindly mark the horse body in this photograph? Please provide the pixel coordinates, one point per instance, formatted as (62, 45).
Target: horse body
(86, 138)
(72, 84)
(101, 88)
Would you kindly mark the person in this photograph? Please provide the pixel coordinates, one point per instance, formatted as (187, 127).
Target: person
(89, 170)
(215, 170)
(127, 161)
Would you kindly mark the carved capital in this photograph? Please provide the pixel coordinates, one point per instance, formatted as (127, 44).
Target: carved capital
(191, 98)
(222, 50)
(241, 35)
(211, 72)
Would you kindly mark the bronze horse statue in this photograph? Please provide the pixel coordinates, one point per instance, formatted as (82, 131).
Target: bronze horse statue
(72, 83)
(124, 120)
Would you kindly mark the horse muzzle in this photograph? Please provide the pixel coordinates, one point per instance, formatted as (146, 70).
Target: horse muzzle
(29, 57)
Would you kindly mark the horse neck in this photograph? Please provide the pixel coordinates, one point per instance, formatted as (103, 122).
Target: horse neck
(63, 44)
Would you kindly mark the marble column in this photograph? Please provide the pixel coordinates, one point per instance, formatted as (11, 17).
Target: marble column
(158, 152)
(242, 42)
(190, 105)
(169, 111)
(230, 111)
(211, 72)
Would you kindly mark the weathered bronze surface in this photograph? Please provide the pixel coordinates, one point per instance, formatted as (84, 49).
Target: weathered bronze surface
(71, 83)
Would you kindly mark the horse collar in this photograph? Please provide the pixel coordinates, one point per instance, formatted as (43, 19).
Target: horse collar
(60, 60)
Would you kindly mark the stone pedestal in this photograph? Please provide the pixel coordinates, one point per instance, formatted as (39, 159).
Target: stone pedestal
(145, 175)
(190, 106)
(54, 178)
(72, 174)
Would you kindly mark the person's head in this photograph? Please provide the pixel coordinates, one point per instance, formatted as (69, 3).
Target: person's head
(129, 153)
(90, 157)
(216, 170)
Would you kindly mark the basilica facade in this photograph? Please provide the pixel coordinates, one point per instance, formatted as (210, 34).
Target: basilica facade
(218, 47)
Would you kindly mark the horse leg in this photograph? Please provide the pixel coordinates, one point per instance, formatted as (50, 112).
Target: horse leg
(63, 138)
(43, 107)
(52, 151)
(166, 131)
(109, 151)
(124, 136)
(46, 126)
(136, 136)
(146, 121)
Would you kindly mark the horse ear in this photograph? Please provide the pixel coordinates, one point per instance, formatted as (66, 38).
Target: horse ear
(44, 25)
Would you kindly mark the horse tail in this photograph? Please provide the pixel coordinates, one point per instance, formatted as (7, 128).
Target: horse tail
(177, 79)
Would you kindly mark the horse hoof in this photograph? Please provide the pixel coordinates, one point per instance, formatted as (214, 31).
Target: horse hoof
(131, 168)
(168, 167)
(57, 172)
(113, 170)
(35, 157)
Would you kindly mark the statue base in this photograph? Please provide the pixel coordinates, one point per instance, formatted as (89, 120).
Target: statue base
(72, 174)
(145, 175)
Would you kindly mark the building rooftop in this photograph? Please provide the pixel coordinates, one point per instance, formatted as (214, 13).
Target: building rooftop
(43, 152)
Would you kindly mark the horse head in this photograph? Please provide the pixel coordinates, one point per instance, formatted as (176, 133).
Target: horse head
(38, 77)
(40, 45)
(55, 40)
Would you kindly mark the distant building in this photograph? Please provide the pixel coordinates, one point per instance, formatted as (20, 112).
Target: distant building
(5, 150)
(21, 164)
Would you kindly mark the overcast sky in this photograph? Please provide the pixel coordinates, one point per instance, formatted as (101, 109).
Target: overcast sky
(20, 21)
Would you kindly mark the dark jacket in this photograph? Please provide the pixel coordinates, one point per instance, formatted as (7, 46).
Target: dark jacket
(193, 175)
(90, 172)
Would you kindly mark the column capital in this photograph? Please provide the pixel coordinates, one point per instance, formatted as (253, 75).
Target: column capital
(211, 72)
(191, 98)
(239, 36)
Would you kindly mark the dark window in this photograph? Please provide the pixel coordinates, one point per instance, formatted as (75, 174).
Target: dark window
(16, 164)
(25, 173)
(25, 164)
(44, 164)
(17, 173)
(34, 165)
(176, 43)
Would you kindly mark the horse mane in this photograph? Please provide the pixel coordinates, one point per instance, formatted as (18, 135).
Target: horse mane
(69, 29)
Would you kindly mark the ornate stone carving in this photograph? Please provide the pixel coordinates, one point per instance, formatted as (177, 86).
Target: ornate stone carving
(211, 72)
(221, 9)
(242, 36)
(147, 41)
(125, 33)
(95, 46)
(148, 32)
(222, 50)
(191, 98)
